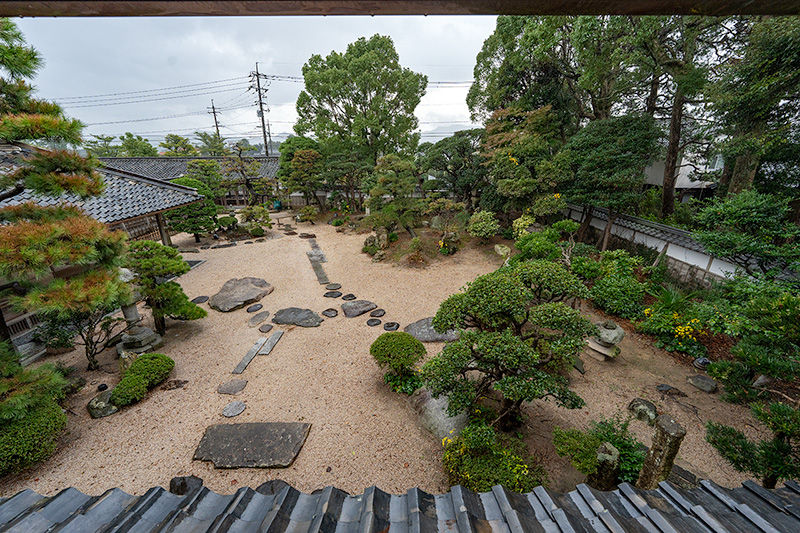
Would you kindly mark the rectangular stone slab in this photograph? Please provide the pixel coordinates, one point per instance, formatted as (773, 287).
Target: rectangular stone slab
(322, 277)
(251, 353)
(317, 251)
(270, 344)
(252, 444)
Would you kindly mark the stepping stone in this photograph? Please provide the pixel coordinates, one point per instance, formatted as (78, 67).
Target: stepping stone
(423, 331)
(316, 252)
(305, 318)
(200, 300)
(349, 297)
(265, 328)
(373, 322)
(248, 242)
(377, 313)
(330, 313)
(332, 294)
(251, 353)
(290, 233)
(253, 308)
(233, 387)
(257, 319)
(704, 383)
(669, 390)
(391, 326)
(217, 246)
(333, 286)
(260, 240)
(234, 409)
(307, 236)
(270, 344)
(205, 247)
(322, 277)
(357, 307)
(239, 292)
(252, 444)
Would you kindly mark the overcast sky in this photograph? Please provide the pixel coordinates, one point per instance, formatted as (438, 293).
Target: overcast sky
(214, 56)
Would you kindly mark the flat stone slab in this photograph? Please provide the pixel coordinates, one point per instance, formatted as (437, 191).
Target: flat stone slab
(232, 387)
(391, 326)
(330, 313)
(200, 300)
(332, 294)
(305, 318)
(257, 319)
(252, 444)
(239, 292)
(290, 232)
(423, 331)
(307, 236)
(333, 286)
(704, 383)
(270, 344)
(349, 297)
(377, 313)
(357, 308)
(322, 277)
(265, 328)
(373, 322)
(251, 353)
(253, 308)
(234, 409)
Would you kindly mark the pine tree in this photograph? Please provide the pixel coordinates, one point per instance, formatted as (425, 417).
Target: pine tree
(197, 218)
(35, 240)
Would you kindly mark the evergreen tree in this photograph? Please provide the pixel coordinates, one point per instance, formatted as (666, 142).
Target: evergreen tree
(306, 175)
(211, 144)
(197, 218)
(101, 146)
(177, 146)
(153, 263)
(136, 146)
(208, 172)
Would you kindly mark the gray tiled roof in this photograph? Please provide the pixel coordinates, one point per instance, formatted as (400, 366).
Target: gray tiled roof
(126, 196)
(167, 168)
(278, 507)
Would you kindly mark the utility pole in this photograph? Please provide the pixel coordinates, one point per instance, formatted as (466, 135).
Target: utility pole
(261, 107)
(214, 112)
(269, 136)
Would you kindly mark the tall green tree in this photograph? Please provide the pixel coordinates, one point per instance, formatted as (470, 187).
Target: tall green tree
(456, 162)
(241, 171)
(177, 146)
(36, 239)
(363, 98)
(209, 173)
(197, 218)
(306, 175)
(287, 151)
(152, 263)
(395, 177)
(211, 144)
(101, 146)
(136, 146)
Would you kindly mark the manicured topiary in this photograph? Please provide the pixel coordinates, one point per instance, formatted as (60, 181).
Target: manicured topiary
(154, 367)
(130, 390)
(398, 350)
(256, 231)
(31, 439)
(484, 225)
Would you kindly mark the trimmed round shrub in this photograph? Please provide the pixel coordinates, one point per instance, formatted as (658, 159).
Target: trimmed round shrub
(619, 294)
(479, 459)
(520, 226)
(483, 224)
(256, 231)
(153, 367)
(31, 439)
(130, 390)
(398, 350)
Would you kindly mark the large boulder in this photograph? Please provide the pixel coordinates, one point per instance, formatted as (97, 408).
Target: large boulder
(356, 308)
(382, 238)
(423, 330)
(305, 318)
(433, 415)
(239, 292)
(100, 406)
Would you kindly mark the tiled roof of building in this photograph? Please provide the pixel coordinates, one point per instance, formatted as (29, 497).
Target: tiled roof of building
(277, 507)
(168, 168)
(126, 195)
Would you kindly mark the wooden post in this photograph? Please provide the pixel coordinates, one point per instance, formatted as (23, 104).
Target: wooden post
(162, 230)
(666, 443)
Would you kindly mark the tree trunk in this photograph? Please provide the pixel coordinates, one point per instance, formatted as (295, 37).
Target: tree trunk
(160, 324)
(510, 415)
(673, 153)
(196, 237)
(612, 216)
(652, 97)
(744, 172)
(724, 180)
(586, 223)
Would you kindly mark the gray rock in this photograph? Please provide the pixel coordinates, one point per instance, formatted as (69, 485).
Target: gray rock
(423, 330)
(239, 292)
(252, 445)
(125, 361)
(669, 390)
(609, 333)
(391, 326)
(371, 240)
(184, 485)
(330, 313)
(379, 256)
(174, 384)
(307, 236)
(373, 322)
(643, 410)
(702, 382)
(762, 381)
(382, 238)
(200, 300)
(234, 409)
(100, 406)
(357, 307)
(253, 308)
(233, 387)
(433, 415)
(377, 313)
(265, 328)
(332, 294)
(299, 317)
(333, 286)
(257, 319)
(502, 250)
(75, 382)
(349, 297)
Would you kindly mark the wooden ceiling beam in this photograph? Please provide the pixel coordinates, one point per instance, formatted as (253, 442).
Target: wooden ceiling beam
(157, 8)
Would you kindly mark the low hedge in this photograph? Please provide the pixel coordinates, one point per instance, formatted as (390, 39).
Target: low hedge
(146, 372)
(31, 439)
(130, 390)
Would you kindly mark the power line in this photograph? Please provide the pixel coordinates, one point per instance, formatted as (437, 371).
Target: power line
(154, 99)
(150, 90)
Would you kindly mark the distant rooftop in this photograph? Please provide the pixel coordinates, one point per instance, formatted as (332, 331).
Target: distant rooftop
(169, 168)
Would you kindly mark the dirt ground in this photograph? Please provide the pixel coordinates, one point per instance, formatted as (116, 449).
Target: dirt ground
(362, 434)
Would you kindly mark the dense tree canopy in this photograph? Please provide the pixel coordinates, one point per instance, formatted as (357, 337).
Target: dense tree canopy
(177, 146)
(194, 218)
(457, 164)
(136, 146)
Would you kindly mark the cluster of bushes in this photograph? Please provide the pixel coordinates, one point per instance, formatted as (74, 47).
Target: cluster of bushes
(146, 372)
(399, 352)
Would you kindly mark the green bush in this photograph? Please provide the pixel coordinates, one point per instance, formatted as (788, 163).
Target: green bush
(479, 459)
(370, 250)
(154, 367)
(406, 383)
(398, 350)
(416, 245)
(31, 439)
(130, 389)
(337, 222)
(484, 225)
(520, 226)
(381, 219)
(581, 447)
(393, 237)
(309, 213)
(256, 230)
(586, 267)
(227, 223)
(619, 294)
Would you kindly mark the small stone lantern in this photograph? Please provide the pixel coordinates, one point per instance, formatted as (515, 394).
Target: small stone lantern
(604, 345)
